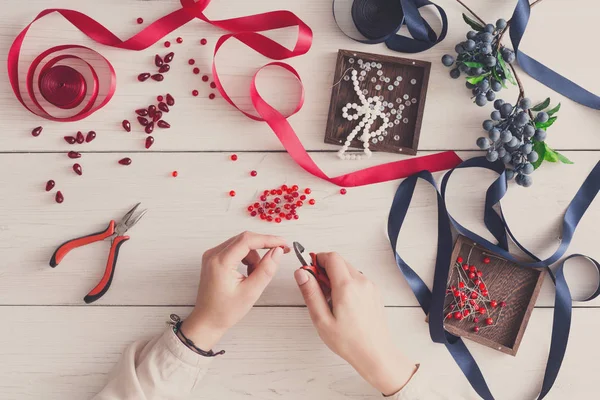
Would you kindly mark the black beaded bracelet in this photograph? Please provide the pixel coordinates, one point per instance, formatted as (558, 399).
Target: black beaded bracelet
(176, 322)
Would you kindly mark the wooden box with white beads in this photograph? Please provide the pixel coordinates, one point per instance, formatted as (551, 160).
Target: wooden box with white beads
(377, 104)
(489, 299)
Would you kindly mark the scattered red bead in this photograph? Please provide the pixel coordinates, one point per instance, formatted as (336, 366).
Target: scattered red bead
(459, 260)
(486, 260)
(179, 40)
(163, 106)
(59, 198)
(213, 85)
(234, 157)
(476, 319)
(472, 275)
(343, 191)
(125, 161)
(91, 135)
(203, 42)
(143, 121)
(174, 174)
(307, 191)
(140, 20)
(194, 93)
(196, 70)
(142, 112)
(143, 77)
(158, 77)
(312, 202)
(157, 115)
(253, 173)
(36, 131)
(191, 61)
(163, 124)
(126, 125)
(149, 128)
(482, 310)
(493, 304)
(211, 96)
(489, 321)
(149, 142)
(502, 304)
(74, 154)
(77, 168)
(167, 44)
(158, 61)
(169, 57)
(472, 268)
(50, 185)
(232, 193)
(159, 98)
(70, 139)
(151, 110)
(476, 329)
(204, 78)
(79, 137)
(170, 100)
(164, 68)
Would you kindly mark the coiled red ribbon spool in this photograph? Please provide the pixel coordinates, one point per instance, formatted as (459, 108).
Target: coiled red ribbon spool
(64, 87)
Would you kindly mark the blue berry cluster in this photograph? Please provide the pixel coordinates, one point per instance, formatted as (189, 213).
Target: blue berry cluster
(484, 60)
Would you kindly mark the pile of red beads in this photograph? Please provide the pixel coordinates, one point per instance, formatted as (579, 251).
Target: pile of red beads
(280, 204)
(469, 299)
(163, 67)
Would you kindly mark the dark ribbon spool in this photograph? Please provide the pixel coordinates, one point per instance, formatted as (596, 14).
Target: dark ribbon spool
(62, 86)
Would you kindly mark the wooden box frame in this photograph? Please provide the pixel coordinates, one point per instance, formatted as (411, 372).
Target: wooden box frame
(505, 281)
(342, 93)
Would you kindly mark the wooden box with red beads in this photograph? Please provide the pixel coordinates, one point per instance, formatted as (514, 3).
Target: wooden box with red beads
(489, 299)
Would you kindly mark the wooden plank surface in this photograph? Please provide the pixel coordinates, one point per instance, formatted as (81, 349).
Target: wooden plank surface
(66, 352)
(194, 212)
(201, 124)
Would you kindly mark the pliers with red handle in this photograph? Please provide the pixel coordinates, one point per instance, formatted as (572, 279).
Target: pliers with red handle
(313, 268)
(115, 232)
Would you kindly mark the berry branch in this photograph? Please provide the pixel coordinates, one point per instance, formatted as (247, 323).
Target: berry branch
(472, 13)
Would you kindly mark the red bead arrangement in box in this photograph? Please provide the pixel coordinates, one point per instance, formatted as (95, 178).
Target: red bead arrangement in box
(275, 205)
(470, 297)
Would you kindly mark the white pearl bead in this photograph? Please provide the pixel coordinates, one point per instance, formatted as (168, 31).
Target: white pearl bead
(353, 157)
(354, 72)
(386, 119)
(355, 116)
(361, 124)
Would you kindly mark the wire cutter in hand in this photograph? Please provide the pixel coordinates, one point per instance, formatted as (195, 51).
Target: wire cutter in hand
(313, 268)
(115, 232)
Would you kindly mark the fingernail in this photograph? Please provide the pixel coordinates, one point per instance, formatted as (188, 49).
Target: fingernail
(301, 277)
(277, 253)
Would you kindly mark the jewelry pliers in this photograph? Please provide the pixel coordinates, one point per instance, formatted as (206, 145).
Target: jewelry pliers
(116, 233)
(313, 268)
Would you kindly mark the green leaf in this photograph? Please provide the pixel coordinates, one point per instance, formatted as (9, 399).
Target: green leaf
(550, 155)
(472, 23)
(554, 110)
(542, 105)
(476, 79)
(540, 148)
(505, 69)
(547, 124)
(473, 64)
(563, 159)
(495, 73)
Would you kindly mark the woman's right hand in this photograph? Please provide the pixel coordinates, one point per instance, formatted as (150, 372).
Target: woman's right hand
(355, 327)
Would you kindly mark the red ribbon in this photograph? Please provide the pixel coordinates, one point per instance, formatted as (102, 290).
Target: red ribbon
(65, 87)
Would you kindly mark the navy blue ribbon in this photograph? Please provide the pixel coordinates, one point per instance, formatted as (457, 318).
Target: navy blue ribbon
(539, 71)
(380, 20)
(432, 302)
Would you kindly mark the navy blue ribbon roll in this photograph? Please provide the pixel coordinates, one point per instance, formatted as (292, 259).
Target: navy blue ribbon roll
(432, 302)
(539, 71)
(380, 20)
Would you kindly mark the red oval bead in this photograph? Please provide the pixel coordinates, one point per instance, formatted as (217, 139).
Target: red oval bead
(307, 191)
(459, 260)
(149, 128)
(74, 154)
(79, 137)
(303, 197)
(77, 168)
(486, 260)
(203, 41)
(489, 321)
(312, 202)
(269, 218)
(149, 142)
(140, 20)
(158, 61)
(36, 131)
(169, 57)
(159, 98)
(493, 304)
(50, 185)
(204, 78)
(234, 157)
(232, 193)
(167, 44)
(296, 216)
(125, 161)
(211, 96)
(157, 115)
(143, 76)
(163, 124)
(142, 112)
(476, 319)
(253, 214)
(59, 198)
(151, 110)
(91, 135)
(179, 40)
(482, 310)
(343, 191)
(502, 304)
(253, 173)
(174, 174)
(143, 121)
(476, 329)
(163, 107)
(213, 85)
(70, 139)
(126, 125)
(158, 77)
(294, 188)
(289, 217)
(164, 68)
(191, 61)
(278, 220)
(194, 93)
(170, 100)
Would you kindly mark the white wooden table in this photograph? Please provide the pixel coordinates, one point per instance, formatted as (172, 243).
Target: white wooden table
(52, 346)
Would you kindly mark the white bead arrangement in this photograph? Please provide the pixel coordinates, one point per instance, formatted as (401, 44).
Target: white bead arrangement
(370, 109)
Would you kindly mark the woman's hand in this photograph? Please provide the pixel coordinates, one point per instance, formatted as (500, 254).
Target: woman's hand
(225, 295)
(355, 328)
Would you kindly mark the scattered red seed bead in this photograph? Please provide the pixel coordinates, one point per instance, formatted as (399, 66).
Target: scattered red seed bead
(174, 174)
(502, 304)
(482, 286)
(204, 78)
(296, 216)
(170, 100)
(159, 98)
(196, 70)
(163, 124)
(203, 41)
(158, 77)
(253, 173)
(149, 128)
(476, 319)
(36, 131)
(486, 260)
(459, 260)
(74, 154)
(179, 40)
(125, 161)
(211, 96)
(149, 142)
(194, 93)
(143, 76)
(126, 125)
(476, 329)
(59, 198)
(70, 139)
(465, 267)
(167, 44)
(479, 274)
(164, 68)
(191, 61)
(474, 295)
(461, 285)
(50, 185)
(140, 20)
(169, 57)
(232, 193)
(472, 268)
(472, 275)
(213, 85)
(234, 157)
(489, 321)
(278, 220)
(77, 168)
(449, 316)
(294, 188)
(343, 191)
(312, 202)
(307, 191)
(484, 293)
(493, 304)
(91, 135)
(482, 310)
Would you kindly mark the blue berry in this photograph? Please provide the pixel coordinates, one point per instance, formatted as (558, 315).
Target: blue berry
(496, 86)
(506, 159)
(447, 60)
(533, 156)
(525, 103)
(501, 23)
(506, 109)
(471, 35)
(492, 156)
(527, 148)
(454, 73)
(489, 28)
(494, 134)
(469, 45)
(510, 174)
(483, 143)
(495, 115)
(490, 61)
(481, 100)
(542, 117)
(506, 136)
(498, 103)
(490, 95)
(528, 131)
(540, 135)
(488, 125)
(459, 49)
(527, 169)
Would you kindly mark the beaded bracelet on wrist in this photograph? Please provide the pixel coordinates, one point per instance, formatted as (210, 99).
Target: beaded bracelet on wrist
(176, 322)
